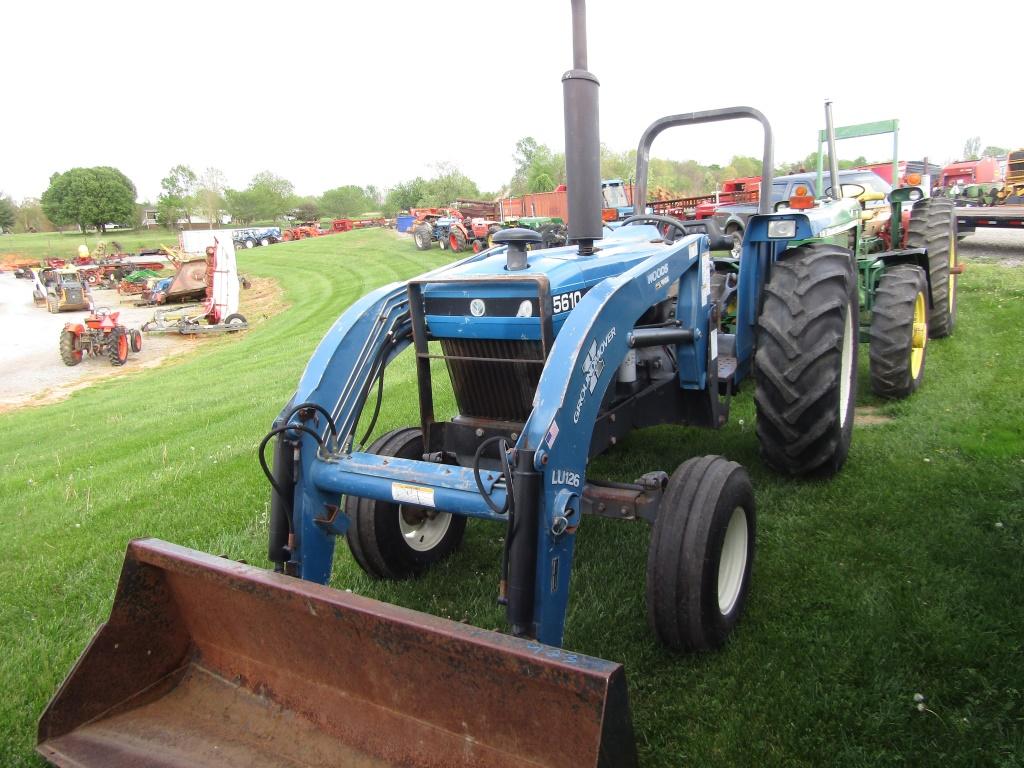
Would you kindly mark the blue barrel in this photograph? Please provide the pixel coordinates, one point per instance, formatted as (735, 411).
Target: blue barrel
(403, 223)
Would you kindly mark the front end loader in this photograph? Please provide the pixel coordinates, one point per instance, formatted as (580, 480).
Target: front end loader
(553, 356)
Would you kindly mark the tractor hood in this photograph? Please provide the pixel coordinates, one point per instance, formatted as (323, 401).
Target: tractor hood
(463, 303)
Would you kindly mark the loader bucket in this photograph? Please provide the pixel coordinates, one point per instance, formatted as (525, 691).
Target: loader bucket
(205, 661)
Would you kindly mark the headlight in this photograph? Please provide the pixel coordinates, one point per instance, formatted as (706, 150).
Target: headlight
(782, 228)
(525, 309)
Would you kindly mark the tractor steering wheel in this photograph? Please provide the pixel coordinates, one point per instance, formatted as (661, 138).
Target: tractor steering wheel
(657, 218)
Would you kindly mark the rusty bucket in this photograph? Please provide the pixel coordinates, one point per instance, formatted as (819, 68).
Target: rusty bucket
(209, 662)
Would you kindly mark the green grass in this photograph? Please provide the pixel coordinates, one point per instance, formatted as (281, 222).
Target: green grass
(45, 245)
(902, 575)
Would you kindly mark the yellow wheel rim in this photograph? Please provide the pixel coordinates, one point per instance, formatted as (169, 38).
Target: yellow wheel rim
(919, 338)
(952, 264)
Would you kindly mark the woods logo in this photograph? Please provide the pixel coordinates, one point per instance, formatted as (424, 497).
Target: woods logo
(593, 367)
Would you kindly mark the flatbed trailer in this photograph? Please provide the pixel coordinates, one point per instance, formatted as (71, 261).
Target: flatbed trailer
(1001, 216)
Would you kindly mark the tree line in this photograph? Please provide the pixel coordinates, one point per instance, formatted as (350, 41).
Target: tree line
(97, 197)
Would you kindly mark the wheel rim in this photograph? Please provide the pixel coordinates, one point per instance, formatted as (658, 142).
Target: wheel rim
(737, 244)
(732, 565)
(846, 368)
(454, 242)
(423, 529)
(952, 264)
(920, 336)
(122, 347)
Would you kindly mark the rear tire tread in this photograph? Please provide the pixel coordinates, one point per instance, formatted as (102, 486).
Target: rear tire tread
(799, 360)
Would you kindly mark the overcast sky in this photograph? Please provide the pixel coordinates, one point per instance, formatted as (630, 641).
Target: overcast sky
(333, 93)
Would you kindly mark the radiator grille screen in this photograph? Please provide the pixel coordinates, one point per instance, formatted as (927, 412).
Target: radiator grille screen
(498, 383)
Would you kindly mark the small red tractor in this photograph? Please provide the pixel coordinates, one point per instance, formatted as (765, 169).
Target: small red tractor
(100, 334)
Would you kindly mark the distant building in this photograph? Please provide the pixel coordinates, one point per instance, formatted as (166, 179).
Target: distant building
(149, 218)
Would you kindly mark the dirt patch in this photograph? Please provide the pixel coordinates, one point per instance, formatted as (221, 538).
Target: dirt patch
(870, 416)
(31, 371)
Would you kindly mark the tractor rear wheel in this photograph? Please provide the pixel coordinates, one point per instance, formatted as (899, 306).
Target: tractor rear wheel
(423, 237)
(457, 240)
(806, 361)
(899, 331)
(933, 226)
(118, 349)
(70, 347)
(701, 552)
(400, 541)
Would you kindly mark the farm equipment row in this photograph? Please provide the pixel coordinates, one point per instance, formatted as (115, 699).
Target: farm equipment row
(454, 230)
(313, 229)
(553, 357)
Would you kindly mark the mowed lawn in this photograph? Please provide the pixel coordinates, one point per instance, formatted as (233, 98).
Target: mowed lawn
(904, 575)
(46, 245)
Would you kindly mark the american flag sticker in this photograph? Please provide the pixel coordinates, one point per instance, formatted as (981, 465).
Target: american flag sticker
(552, 434)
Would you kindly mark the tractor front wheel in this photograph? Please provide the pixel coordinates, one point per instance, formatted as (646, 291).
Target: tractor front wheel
(933, 226)
(118, 349)
(422, 237)
(52, 306)
(806, 361)
(701, 552)
(135, 337)
(400, 540)
(70, 347)
(899, 331)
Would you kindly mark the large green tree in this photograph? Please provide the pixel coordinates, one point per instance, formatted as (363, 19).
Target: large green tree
(177, 198)
(272, 194)
(447, 186)
(538, 169)
(404, 195)
(8, 213)
(244, 205)
(90, 197)
(348, 200)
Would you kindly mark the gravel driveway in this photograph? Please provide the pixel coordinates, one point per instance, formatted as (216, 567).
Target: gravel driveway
(31, 370)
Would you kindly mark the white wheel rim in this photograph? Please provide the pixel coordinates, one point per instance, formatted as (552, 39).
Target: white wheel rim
(424, 534)
(733, 563)
(846, 368)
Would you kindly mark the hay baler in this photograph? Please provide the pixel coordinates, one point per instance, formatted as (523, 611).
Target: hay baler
(554, 356)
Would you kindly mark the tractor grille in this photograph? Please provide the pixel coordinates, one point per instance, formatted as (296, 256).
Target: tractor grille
(499, 382)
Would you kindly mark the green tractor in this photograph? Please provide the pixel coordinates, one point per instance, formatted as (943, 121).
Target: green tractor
(906, 265)
(551, 229)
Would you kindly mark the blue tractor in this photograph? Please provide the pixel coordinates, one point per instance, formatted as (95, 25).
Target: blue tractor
(553, 356)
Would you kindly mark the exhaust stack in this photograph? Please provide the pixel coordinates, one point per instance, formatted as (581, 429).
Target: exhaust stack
(582, 145)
